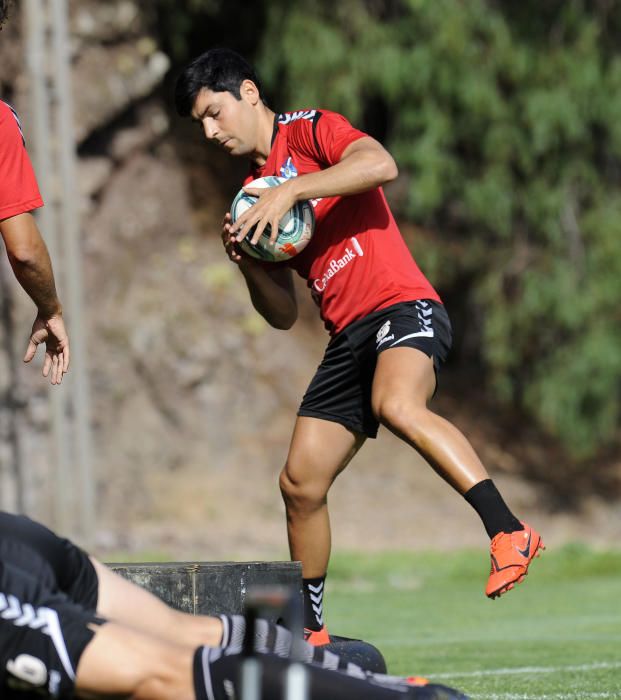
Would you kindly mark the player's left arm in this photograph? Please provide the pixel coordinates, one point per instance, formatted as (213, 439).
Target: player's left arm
(364, 165)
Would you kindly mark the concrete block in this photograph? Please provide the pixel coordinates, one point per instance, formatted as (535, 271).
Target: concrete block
(206, 588)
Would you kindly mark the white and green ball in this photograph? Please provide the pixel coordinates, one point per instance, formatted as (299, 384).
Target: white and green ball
(294, 230)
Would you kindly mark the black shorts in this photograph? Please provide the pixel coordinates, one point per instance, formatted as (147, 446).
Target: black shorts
(57, 562)
(340, 391)
(48, 596)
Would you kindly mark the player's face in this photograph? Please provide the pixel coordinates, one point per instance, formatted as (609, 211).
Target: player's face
(230, 123)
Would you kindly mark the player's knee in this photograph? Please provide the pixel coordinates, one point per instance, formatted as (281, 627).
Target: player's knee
(301, 493)
(400, 415)
(148, 688)
(169, 677)
(390, 410)
(162, 689)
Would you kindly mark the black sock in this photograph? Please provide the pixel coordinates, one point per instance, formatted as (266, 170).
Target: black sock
(313, 602)
(493, 511)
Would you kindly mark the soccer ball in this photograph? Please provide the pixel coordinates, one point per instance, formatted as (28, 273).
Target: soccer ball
(294, 230)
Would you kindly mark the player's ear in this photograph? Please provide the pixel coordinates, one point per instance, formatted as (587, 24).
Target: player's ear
(249, 91)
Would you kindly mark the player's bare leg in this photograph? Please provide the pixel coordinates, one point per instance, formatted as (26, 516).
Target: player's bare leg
(124, 662)
(124, 602)
(319, 452)
(404, 382)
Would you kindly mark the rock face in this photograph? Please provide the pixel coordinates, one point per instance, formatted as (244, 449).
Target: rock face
(192, 393)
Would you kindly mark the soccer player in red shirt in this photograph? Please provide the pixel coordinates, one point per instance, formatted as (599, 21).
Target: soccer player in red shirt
(26, 250)
(389, 329)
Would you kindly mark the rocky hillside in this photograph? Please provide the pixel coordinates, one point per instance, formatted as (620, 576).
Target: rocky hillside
(187, 382)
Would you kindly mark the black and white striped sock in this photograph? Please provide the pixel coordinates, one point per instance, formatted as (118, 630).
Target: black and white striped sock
(269, 638)
(275, 639)
(313, 590)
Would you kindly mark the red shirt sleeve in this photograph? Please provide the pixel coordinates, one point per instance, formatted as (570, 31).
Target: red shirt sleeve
(19, 191)
(325, 137)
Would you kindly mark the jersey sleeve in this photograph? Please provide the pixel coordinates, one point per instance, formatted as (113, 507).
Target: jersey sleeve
(325, 137)
(19, 192)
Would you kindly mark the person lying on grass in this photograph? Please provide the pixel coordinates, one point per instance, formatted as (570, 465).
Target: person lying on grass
(71, 627)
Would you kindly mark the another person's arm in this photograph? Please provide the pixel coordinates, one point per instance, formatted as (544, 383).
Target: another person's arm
(31, 264)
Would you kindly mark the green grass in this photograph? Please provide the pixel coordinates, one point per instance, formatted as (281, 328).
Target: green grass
(556, 636)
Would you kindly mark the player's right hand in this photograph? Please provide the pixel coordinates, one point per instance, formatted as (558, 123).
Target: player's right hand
(229, 240)
(50, 331)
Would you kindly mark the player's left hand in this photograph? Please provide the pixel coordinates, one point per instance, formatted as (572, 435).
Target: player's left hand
(50, 331)
(271, 205)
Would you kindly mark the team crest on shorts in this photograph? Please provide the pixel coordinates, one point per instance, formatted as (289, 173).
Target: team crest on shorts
(383, 331)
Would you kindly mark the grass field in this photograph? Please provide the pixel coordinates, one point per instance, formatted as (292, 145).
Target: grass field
(556, 636)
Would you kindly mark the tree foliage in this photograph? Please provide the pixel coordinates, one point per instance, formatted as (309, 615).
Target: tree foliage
(504, 120)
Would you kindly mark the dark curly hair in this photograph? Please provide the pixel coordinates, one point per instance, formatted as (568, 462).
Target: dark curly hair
(220, 70)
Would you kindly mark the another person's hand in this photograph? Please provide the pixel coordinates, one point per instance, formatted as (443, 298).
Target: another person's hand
(50, 331)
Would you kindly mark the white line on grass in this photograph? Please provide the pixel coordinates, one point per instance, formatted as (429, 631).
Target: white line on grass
(528, 669)
(554, 696)
(428, 641)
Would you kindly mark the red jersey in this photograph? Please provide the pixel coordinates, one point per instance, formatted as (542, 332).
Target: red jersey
(19, 192)
(357, 261)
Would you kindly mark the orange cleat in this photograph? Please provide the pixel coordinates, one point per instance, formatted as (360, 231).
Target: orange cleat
(317, 638)
(417, 681)
(424, 690)
(511, 553)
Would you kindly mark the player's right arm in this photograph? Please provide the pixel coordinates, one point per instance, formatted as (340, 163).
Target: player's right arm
(30, 261)
(32, 266)
(271, 288)
(26, 250)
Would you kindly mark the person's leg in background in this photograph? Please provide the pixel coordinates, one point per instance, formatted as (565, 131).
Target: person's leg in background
(404, 383)
(320, 450)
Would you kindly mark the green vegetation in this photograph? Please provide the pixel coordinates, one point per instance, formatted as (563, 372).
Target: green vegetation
(503, 118)
(556, 636)
(505, 124)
